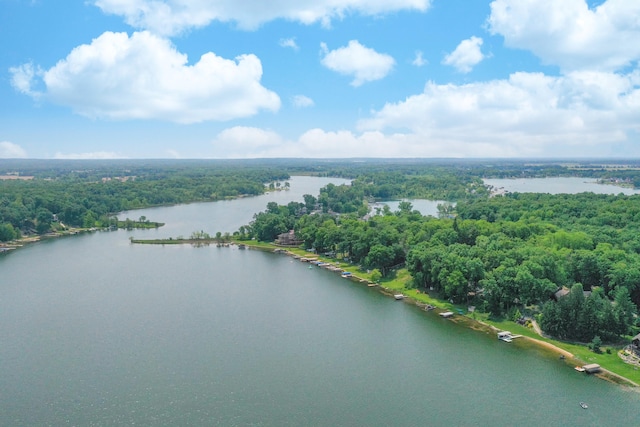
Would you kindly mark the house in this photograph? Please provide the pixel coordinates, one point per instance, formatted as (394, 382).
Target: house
(635, 344)
(288, 239)
(562, 292)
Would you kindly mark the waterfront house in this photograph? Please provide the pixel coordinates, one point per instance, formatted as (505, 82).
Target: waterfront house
(635, 344)
(288, 239)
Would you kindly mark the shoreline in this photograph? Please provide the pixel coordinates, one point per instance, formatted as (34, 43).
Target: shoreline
(460, 318)
(12, 245)
(472, 323)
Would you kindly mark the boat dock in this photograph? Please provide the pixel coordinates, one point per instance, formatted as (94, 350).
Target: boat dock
(591, 368)
(507, 336)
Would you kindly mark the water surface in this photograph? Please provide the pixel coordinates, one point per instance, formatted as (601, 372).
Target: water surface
(97, 331)
(558, 186)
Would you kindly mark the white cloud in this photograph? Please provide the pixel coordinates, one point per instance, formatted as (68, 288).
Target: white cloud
(466, 55)
(173, 154)
(363, 63)
(9, 150)
(322, 144)
(290, 42)
(171, 17)
(586, 113)
(145, 77)
(302, 101)
(242, 141)
(23, 77)
(569, 34)
(97, 155)
(419, 61)
(528, 114)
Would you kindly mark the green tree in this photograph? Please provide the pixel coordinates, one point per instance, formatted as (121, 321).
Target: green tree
(7, 232)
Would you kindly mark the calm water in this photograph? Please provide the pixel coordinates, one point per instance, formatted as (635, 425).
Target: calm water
(425, 207)
(557, 186)
(96, 331)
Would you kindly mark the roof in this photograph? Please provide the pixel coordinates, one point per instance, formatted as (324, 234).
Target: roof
(562, 292)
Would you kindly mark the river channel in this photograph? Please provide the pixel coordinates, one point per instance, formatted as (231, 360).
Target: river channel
(95, 331)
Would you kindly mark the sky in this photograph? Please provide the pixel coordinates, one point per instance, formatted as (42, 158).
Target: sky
(100, 79)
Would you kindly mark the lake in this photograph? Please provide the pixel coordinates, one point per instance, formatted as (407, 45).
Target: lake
(558, 185)
(95, 331)
(424, 206)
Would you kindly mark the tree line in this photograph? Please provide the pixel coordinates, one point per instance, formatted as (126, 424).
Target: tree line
(87, 194)
(504, 255)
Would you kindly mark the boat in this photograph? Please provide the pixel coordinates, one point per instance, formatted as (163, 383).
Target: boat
(584, 405)
(398, 296)
(505, 336)
(446, 314)
(346, 274)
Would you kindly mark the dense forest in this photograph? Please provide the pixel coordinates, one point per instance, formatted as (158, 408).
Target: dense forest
(38, 196)
(571, 260)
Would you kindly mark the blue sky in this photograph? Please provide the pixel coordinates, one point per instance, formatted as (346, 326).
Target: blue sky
(319, 78)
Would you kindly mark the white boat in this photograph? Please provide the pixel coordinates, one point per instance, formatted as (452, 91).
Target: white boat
(584, 405)
(447, 314)
(505, 336)
(398, 296)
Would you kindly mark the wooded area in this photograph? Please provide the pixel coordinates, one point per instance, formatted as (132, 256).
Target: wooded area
(574, 260)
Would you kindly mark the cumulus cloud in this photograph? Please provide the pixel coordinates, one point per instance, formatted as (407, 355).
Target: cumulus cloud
(243, 141)
(361, 62)
(23, 77)
(145, 77)
(584, 113)
(522, 116)
(171, 17)
(466, 55)
(290, 42)
(419, 61)
(9, 150)
(97, 155)
(568, 33)
(302, 101)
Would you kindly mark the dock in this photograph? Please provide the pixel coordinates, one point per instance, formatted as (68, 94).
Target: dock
(507, 336)
(591, 368)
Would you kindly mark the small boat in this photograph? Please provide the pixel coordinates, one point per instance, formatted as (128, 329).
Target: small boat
(505, 336)
(583, 405)
(398, 296)
(447, 314)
